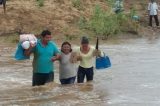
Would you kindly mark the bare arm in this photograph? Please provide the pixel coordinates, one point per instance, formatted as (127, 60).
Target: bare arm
(56, 57)
(28, 52)
(97, 52)
(75, 57)
(79, 58)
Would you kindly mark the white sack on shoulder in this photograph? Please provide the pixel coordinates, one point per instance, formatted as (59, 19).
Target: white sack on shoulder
(28, 37)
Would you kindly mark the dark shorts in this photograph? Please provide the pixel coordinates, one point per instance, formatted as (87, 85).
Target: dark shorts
(82, 72)
(42, 78)
(70, 80)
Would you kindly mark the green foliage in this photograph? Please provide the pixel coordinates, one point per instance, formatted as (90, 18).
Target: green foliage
(82, 22)
(77, 4)
(105, 23)
(133, 12)
(69, 37)
(40, 3)
(134, 20)
(110, 2)
(143, 4)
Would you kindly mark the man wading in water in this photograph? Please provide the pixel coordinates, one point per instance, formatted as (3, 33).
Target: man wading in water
(45, 53)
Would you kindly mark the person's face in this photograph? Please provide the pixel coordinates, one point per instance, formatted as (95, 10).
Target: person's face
(47, 38)
(85, 47)
(66, 49)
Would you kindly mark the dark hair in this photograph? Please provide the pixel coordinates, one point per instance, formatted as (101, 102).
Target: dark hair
(84, 40)
(45, 32)
(66, 43)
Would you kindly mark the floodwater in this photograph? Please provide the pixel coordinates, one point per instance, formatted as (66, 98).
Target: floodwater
(133, 80)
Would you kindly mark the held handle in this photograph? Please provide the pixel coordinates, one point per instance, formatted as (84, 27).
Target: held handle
(97, 44)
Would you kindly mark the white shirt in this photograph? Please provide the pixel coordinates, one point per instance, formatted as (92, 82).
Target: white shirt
(152, 7)
(66, 69)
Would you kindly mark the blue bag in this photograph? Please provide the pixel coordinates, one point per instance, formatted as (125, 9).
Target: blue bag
(103, 62)
(19, 55)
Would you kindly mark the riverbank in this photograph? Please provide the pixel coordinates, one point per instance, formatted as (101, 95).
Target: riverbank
(62, 18)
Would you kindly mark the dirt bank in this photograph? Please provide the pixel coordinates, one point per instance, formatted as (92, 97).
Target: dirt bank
(59, 16)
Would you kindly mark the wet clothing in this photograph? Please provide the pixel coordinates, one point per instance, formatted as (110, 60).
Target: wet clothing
(67, 70)
(42, 78)
(42, 62)
(43, 68)
(70, 80)
(86, 66)
(82, 72)
(87, 59)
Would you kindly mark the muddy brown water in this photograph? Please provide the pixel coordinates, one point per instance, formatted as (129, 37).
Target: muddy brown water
(133, 80)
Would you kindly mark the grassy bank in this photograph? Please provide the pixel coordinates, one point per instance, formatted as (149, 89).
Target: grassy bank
(71, 19)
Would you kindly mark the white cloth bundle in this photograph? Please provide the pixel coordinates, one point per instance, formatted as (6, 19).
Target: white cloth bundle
(27, 39)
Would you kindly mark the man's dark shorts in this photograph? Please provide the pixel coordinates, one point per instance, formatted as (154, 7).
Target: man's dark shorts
(42, 78)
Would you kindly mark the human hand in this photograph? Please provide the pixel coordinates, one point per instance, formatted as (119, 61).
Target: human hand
(32, 43)
(73, 58)
(96, 52)
(54, 59)
(57, 57)
(79, 58)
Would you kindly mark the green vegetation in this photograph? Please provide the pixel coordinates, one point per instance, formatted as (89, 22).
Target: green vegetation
(70, 37)
(110, 2)
(143, 4)
(40, 3)
(82, 23)
(135, 20)
(77, 4)
(105, 22)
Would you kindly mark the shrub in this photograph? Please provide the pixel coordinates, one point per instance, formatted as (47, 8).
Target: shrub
(40, 3)
(82, 23)
(134, 20)
(106, 23)
(77, 4)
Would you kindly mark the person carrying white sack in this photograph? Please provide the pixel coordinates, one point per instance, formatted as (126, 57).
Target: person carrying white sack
(25, 41)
